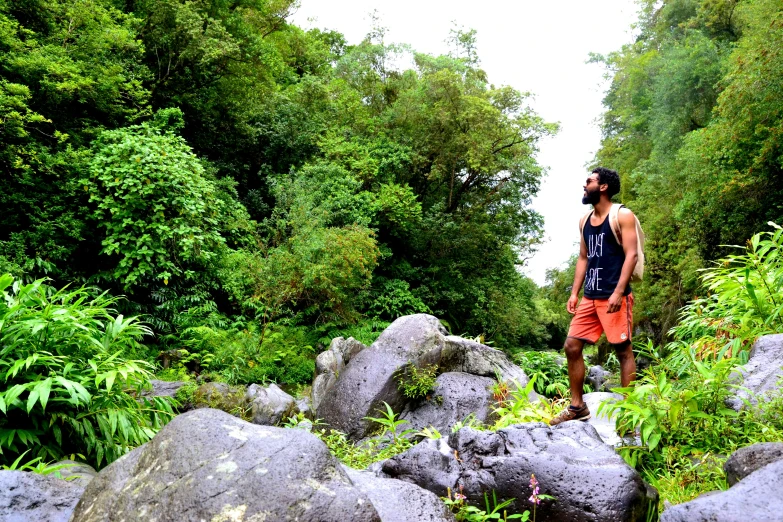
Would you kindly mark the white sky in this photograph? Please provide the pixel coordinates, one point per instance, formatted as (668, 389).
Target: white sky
(535, 46)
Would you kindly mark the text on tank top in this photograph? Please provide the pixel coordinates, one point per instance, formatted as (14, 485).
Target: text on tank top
(605, 258)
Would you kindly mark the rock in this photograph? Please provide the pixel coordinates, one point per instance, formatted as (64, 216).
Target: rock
(757, 497)
(430, 464)
(762, 373)
(464, 355)
(371, 377)
(327, 362)
(329, 365)
(455, 396)
(304, 407)
(596, 377)
(346, 349)
(208, 465)
(321, 385)
(269, 405)
(220, 395)
(163, 388)
(75, 472)
(746, 460)
(26, 496)
(369, 380)
(588, 479)
(603, 423)
(398, 501)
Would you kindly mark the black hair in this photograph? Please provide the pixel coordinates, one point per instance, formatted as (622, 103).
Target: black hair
(610, 177)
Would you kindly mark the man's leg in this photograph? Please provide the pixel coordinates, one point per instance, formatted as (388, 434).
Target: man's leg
(576, 369)
(624, 354)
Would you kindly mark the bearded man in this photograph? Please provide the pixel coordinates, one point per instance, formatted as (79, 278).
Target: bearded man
(605, 267)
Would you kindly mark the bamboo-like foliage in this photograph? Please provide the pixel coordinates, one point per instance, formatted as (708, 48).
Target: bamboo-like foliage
(745, 300)
(67, 385)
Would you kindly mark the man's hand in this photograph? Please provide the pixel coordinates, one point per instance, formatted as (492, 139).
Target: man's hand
(613, 305)
(572, 302)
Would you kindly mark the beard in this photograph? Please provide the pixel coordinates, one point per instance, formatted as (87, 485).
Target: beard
(591, 197)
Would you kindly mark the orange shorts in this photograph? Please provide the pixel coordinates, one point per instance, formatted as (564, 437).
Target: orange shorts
(591, 320)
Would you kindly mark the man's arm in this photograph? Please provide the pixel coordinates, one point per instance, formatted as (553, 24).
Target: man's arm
(628, 234)
(579, 277)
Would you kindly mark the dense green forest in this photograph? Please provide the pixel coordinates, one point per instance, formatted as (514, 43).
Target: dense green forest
(693, 124)
(225, 170)
(202, 189)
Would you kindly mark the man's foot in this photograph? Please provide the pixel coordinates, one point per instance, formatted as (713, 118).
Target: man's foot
(571, 413)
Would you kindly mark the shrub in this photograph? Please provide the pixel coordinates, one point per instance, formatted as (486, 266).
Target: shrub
(550, 375)
(415, 382)
(744, 301)
(282, 355)
(65, 384)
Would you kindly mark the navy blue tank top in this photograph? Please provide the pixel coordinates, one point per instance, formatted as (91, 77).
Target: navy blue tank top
(605, 258)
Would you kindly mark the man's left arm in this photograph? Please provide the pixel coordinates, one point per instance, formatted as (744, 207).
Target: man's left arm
(628, 235)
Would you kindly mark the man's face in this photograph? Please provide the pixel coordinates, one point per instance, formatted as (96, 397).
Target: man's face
(592, 194)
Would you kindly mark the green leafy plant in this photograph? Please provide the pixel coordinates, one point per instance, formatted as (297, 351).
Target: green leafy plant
(518, 408)
(37, 465)
(65, 386)
(390, 424)
(159, 210)
(744, 301)
(457, 502)
(415, 382)
(551, 374)
(470, 421)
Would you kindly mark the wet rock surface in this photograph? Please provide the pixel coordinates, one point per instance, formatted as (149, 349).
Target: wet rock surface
(26, 497)
(571, 462)
(756, 498)
(746, 460)
(208, 465)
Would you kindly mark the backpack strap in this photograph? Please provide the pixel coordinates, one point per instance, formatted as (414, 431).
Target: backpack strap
(583, 222)
(614, 222)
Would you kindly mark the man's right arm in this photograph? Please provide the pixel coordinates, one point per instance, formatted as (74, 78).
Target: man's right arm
(579, 277)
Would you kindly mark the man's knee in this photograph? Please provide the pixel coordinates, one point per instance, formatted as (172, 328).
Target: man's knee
(623, 350)
(573, 348)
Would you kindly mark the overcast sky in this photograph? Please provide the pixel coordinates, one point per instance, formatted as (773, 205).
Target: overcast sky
(536, 46)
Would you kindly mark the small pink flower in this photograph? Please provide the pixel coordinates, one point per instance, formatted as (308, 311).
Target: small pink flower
(459, 496)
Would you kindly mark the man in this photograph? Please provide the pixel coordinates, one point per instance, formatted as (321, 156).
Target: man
(607, 304)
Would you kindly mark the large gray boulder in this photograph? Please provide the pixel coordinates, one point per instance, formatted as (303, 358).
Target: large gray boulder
(588, 479)
(398, 501)
(370, 379)
(26, 497)
(762, 373)
(456, 395)
(208, 465)
(746, 460)
(757, 497)
(269, 405)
